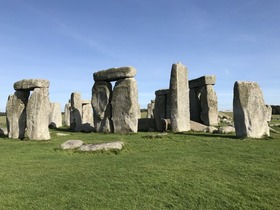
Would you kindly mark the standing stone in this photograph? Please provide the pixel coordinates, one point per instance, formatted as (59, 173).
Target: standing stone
(55, 116)
(162, 107)
(125, 106)
(76, 112)
(251, 115)
(150, 109)
(87, 120)
(38, 111)
(67, 109)
(179, 98)
(16, 114)
(100, 101)
(209, 106)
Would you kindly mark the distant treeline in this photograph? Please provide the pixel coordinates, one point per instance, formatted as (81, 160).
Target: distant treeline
(275, 109)
(2, 113)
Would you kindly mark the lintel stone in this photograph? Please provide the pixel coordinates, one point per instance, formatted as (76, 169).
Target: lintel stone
(114, 74)
(202, 81)
(31, 84)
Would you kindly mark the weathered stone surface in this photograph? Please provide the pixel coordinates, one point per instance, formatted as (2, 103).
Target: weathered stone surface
(71, 144)
(209, 106)
(117, 145)
(67, 110)
(146, 124)
(16, 114)
(55, 116)
(251, 115)
(202, 81)
(87, 121)
(226, 129)
(114, 74)
(3, 131)
(76, 113)
(161, 107)
(150, 109)
(100, 101)
(125, 106)
(211, 129)
(31, 84)
(179, 98)
(198, 127)
(38, 111)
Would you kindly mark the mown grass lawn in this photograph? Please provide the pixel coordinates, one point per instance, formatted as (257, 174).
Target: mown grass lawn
(175, 171)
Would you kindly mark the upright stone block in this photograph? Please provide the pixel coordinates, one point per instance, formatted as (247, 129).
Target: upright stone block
(67, 109)
(162, 108)
(150, 109)
(55, 116)
(209, 106)
(101, 104)
(179, 98)
(16, 114)
(38, 111)
(125, 106)
(76, 112)
(251, 115)
(87, 121)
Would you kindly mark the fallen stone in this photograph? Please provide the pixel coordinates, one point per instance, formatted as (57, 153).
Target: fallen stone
(118, 145)
(71, 144)
(197, 127)
(31, 84)
(114, 74)
(62, 134)
(226, 130)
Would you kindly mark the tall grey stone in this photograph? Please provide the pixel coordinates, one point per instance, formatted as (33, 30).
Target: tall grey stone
(16, 114)
(67, 109)
(150, 109)
(38, 111)
(87, 120)
(251, 115)
(125, 106)
(55, 116)
(179, 98)
(101, 104)
(209, 106)
(161, 107)
(76, 112)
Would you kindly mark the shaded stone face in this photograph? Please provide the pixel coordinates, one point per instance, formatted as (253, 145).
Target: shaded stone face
(179, 98)
(76, 112)
(101, 99)
(202, 81)
(38, 111)
(67, 114)
(161, 108)
(31, 84)
(251, 115)
(114, 74)
(125, 107)
(16, 114)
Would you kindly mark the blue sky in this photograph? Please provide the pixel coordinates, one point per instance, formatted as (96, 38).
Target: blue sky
(66, 41)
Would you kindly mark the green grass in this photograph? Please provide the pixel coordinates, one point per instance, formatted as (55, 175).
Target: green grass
(175, 171)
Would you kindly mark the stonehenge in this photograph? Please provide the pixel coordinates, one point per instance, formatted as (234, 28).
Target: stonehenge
(115, 109)
(203, 101)
(251, 115)
(29, 114)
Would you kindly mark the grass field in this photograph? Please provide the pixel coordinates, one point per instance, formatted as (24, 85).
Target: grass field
(175, 171)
